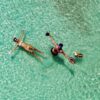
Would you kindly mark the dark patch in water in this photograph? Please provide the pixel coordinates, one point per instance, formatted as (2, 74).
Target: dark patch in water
(74, 11)
(60, 61)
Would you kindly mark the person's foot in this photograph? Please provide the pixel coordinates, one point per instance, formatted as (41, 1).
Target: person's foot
(47, 34)
(71, 60)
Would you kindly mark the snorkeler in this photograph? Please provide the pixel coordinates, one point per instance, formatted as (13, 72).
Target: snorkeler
(58, 49)
(78, 54)
(25, 46)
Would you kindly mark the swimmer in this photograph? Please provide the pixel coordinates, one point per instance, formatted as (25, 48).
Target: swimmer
(58, 49)
(26, 47)
(78, 54)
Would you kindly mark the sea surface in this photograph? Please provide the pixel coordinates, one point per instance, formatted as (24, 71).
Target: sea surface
(76, 24)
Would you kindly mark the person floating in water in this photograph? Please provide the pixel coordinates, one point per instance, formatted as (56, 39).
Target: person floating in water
(78, 54)
(26, 47)
(58, 49)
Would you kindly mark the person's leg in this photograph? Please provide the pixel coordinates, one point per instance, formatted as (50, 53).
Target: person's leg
(35, 49)
(38, 50)
(36, 56)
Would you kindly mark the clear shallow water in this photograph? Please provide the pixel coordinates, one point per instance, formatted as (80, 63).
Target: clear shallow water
(76, 23)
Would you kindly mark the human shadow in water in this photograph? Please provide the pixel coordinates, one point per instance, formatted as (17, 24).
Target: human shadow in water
(60, 61)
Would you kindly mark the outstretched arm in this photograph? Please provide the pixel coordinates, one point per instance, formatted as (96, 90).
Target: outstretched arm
(13, 49)
(22, 35)
(53, 41)
(71, 60)
(66, 56)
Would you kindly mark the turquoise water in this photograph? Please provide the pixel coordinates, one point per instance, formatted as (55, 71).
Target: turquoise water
(77, 26)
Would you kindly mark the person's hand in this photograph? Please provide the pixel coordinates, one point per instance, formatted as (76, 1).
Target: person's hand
(47, 34)
(71, 60)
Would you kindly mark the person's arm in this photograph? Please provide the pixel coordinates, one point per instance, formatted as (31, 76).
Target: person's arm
(65, 55)
(13, 49)
(71, 60)
(22, 35)
(53, 41)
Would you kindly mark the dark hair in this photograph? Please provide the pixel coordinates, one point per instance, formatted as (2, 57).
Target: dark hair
(60, 45)
(47, 33)
(14, 39)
